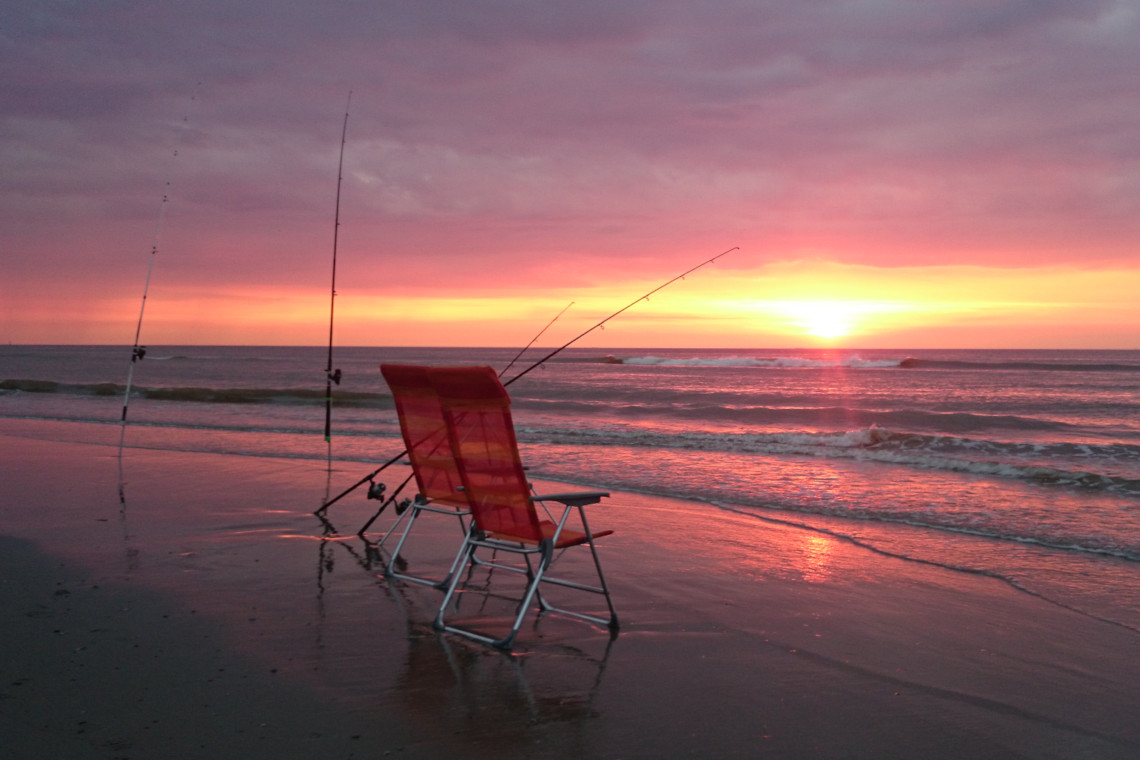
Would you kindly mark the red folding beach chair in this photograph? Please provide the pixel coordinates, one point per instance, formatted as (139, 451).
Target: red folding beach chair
(504, 518)
(437, 476)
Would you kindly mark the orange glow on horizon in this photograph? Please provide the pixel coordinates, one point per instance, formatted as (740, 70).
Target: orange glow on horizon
(783, 304)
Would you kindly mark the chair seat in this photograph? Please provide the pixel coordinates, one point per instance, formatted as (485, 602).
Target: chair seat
(568, 537)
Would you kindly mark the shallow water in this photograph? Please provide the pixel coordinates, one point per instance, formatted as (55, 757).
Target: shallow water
(1024, 465)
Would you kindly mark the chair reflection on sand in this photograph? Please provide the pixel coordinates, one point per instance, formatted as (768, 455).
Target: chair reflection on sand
(505, 519)
(474, 691)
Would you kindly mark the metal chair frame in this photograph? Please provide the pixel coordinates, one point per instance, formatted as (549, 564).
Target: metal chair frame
(545, 551)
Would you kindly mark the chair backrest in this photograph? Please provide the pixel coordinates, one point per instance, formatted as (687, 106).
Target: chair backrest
(424, 429)
(478, 411)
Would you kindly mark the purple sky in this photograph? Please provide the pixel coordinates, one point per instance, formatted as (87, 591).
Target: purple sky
(511, 147)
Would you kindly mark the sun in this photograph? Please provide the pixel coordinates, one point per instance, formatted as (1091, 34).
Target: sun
(832, 321)
(828, 320)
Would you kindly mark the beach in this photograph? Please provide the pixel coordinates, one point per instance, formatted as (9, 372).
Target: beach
(832, 301)
(189, 604)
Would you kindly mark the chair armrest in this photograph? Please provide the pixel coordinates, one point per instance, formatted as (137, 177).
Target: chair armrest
(574, 499)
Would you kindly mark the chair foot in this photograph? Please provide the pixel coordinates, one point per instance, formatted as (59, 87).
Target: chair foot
(396, 567)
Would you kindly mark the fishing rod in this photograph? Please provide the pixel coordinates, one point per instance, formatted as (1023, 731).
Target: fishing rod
(535, 338)
(371, 476)
(137, 351)
(332, 376)
(630, 305)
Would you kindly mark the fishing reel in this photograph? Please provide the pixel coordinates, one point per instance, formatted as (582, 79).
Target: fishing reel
(335, 376)
(138, 354)
(376, 490)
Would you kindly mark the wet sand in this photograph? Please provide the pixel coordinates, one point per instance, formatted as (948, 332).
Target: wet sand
(190, 605)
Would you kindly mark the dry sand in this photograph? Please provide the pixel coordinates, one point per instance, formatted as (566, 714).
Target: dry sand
(190, 605)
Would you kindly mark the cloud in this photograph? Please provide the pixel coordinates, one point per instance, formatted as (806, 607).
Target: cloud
(527, 138)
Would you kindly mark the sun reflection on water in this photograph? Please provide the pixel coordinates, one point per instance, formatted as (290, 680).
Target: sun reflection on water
(816, 552)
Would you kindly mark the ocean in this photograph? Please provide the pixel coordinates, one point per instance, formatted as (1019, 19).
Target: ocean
(1019, 465)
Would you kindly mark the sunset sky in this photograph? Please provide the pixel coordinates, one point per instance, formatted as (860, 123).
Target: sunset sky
(895, 173)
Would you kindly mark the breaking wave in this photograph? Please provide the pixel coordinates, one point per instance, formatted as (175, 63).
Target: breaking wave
(201, 395)
(857, 362)
(788, 362)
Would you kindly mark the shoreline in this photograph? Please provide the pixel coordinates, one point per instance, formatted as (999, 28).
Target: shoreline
(197, 607)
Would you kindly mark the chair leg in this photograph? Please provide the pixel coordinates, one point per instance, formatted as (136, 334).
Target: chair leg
(453, 571)
(613, 625)
(533, 580)
(463, 561)
(413, 512)
(543, 605)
